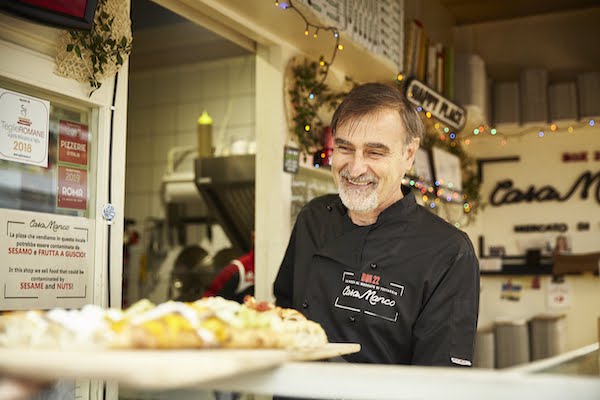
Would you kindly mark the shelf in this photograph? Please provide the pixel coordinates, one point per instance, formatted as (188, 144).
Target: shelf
(267, 24)
(521, 269)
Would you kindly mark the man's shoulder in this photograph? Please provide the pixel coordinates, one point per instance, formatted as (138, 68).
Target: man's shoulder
(441, 230)
(321, 204)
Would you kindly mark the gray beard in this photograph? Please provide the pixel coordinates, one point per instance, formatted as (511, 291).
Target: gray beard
(354, 200)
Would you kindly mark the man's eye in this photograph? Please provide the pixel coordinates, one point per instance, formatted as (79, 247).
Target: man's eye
(376, 154)
(344, 148)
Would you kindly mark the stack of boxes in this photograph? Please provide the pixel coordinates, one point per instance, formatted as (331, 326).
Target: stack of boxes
(535, 100)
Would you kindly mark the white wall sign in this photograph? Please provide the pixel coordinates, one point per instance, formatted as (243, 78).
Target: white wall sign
(447, 169)
(47, 261)
(559, 295)
(24, 127)
(422, 166)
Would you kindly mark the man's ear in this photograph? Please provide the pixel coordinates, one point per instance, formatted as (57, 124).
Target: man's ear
(411, 149)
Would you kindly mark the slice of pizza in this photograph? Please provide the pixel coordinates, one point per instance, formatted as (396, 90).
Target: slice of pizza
(207, 323)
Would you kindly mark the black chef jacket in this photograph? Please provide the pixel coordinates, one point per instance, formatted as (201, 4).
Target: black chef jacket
(406, 287)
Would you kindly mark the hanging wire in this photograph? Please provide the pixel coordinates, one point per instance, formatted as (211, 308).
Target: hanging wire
(289, 5)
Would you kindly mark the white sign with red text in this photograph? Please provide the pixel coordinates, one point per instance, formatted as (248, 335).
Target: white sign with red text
(559, 295)
(24, 128)
(46, 260)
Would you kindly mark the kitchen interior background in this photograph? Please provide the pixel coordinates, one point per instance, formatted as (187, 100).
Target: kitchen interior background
(199, 71)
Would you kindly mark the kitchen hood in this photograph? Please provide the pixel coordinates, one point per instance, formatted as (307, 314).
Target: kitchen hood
(227, 186)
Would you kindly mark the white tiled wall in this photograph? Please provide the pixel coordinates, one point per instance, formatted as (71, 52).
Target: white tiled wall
(164, 105)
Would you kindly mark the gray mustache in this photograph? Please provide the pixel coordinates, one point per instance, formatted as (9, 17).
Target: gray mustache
(364, 178)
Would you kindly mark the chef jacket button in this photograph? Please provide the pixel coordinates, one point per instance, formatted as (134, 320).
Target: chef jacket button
(351, 319)
(373, 265)
(329, 208)
(305, 304)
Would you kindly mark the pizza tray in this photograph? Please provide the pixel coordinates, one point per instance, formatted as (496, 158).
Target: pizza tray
(155, 369)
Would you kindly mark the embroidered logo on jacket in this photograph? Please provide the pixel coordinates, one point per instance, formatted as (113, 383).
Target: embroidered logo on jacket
(368, 295)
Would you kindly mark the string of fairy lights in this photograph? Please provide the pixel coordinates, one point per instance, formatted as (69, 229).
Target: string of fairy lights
(438, 193)
(486, 131)
(315, 28)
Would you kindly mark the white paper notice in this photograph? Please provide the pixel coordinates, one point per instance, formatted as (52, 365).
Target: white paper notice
(24, 128)
(46, 260)
(559, 295)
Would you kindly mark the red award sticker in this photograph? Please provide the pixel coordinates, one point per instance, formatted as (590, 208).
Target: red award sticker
(73, 143)
(72, 188)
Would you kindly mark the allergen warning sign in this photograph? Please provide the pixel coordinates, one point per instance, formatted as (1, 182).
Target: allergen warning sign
(46, 260)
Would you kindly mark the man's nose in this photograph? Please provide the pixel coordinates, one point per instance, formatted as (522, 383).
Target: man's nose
(358, 166)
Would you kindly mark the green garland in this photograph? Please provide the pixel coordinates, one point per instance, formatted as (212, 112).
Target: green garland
(100, 44)
(308, 94)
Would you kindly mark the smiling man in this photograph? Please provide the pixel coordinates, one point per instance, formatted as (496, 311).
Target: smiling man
(371, 265)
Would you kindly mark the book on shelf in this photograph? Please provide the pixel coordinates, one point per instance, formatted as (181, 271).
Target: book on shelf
(429, 61)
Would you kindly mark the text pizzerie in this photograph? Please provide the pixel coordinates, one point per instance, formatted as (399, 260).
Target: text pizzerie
(369, 295)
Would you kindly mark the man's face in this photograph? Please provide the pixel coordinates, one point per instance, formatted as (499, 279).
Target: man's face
(369, 161)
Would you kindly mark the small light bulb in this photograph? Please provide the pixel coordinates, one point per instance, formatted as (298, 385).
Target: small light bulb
(553, 127)
(306, 32)
(475, 131)
(307, 128)
(570, 129)
(400, 77)
(428, 114)
(340, 47)
(493, 131)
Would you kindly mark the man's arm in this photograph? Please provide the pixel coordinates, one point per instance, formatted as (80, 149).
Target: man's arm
(445, 330)
(224, 283)
(283, 288)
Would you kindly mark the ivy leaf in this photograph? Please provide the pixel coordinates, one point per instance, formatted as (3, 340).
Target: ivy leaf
(70, 47)
(119, 59)
(78, 51)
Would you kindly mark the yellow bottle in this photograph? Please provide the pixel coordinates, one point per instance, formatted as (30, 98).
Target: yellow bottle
(204, 129)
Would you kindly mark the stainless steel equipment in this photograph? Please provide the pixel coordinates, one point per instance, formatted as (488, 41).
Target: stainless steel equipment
(227, 186)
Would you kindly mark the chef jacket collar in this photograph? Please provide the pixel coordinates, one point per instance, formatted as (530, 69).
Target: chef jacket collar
(402, 207)
(347, 246)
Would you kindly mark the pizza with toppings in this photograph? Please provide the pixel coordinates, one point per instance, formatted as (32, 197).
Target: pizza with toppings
(211, 322)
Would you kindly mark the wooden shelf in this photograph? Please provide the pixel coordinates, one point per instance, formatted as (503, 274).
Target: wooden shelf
(521, 269)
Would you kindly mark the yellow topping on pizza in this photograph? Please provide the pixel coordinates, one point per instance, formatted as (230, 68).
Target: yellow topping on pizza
(208, 322)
